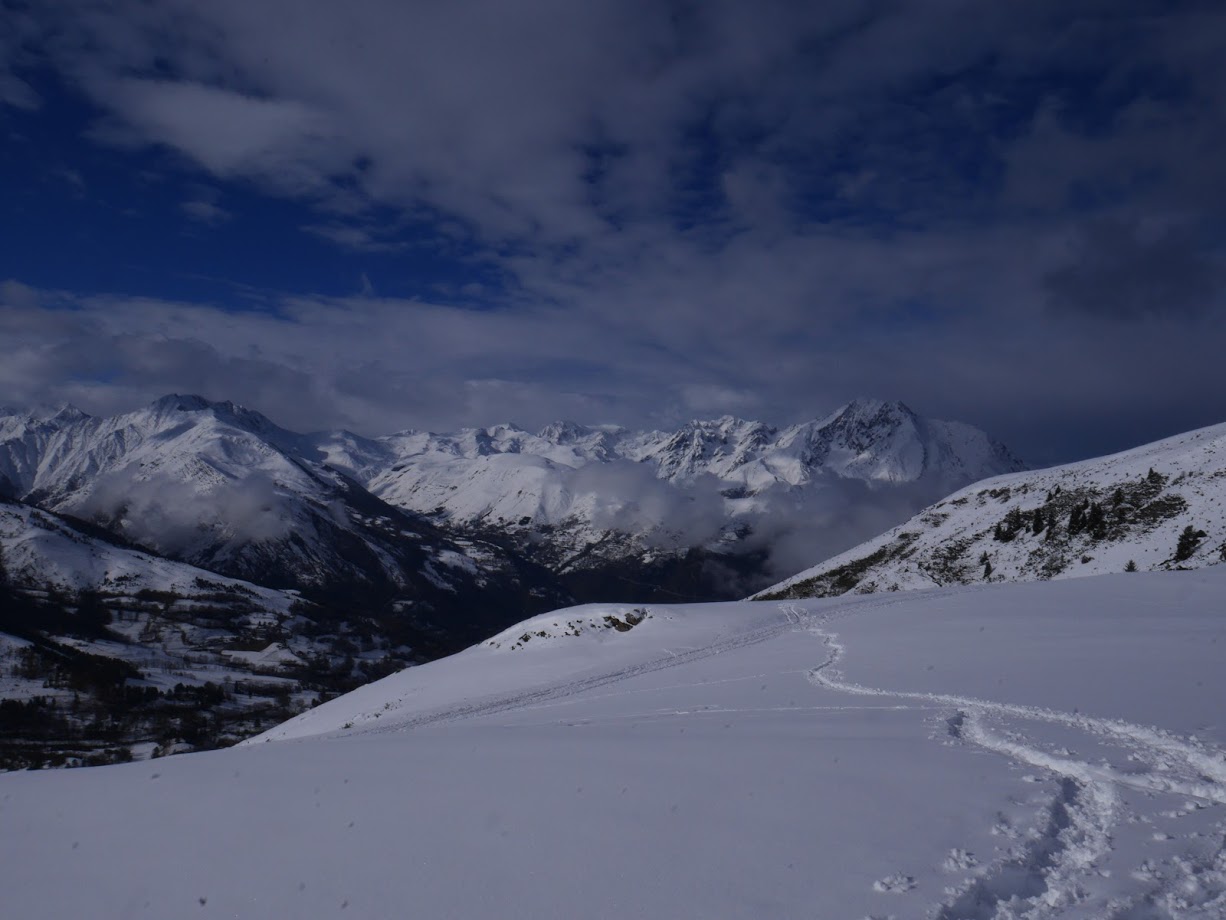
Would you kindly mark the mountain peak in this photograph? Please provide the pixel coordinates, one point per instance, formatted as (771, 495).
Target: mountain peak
(226, 411)
(175, 402)
(564, 432)
(866, 407)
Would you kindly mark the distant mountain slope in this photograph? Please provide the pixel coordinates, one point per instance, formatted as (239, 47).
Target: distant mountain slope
(108, 652)
(1160, 506)
(510, 520)
(222, 487)
(697, 511)
(510, 477)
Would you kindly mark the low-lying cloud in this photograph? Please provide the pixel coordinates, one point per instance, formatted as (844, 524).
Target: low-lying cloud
(789, 530)
(182, 520)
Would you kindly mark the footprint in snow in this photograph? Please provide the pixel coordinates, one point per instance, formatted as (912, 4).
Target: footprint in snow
(959, 860)
(894, 884)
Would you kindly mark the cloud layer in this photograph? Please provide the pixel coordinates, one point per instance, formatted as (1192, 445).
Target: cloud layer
(1004, 213)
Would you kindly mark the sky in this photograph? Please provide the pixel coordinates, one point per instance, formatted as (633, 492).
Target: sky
(381, 215)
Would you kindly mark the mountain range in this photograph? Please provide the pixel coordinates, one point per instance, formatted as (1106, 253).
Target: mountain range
(201, 541)
(711, 509)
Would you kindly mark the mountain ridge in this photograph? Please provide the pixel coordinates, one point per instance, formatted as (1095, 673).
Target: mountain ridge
(1157, 506)
(703, 504)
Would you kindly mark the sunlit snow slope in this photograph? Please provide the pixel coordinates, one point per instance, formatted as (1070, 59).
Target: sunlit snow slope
(1042, 750)
(1159, 506)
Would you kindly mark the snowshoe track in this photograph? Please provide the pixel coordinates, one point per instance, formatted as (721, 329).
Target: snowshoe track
(1052, 873)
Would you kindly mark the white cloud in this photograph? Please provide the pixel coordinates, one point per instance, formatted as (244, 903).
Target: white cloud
(205, 211)
(697, 208)
(281, 141)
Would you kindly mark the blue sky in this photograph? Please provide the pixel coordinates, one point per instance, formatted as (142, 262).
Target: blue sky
(389, 215)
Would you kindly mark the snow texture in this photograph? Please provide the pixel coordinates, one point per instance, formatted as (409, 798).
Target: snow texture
(1047, 750)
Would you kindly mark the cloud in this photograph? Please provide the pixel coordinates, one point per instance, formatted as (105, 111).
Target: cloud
(630, 498)
(228, 133)
(688, 208)
(205, 211)
(176, 519)
(1128, 271)
(356, 238)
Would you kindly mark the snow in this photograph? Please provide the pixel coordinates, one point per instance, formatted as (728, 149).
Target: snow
(1047, 750)
(504, 474)
(40, 549)
(223, 487)
(946, 542)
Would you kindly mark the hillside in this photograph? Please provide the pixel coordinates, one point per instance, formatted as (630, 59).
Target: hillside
(109, 653)
(1050, 750)
(1157, 507)
(221, 487)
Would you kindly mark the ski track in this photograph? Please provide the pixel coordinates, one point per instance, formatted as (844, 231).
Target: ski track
(1054, 870)
(554, 693)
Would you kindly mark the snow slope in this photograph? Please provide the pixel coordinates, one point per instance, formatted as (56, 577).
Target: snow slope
(1049, 750)
(1022, 526)
(39, 549)
(110, 670)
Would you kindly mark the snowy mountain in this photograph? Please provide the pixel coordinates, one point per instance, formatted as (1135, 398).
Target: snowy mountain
(1051, 750)
(222, 487)
(107, 652)
(582, 500)
(1160, 506)
(510, 477)
(709, 510)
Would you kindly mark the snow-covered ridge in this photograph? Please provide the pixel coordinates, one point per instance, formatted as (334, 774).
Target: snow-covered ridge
(40, 550)
(220, 485)
(510, 477)
(1158, 506)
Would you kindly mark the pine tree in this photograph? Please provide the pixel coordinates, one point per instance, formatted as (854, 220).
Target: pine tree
(1188, 543)
(1076, 520)
(1095, 521)
(1131, 567)
(1039, 521)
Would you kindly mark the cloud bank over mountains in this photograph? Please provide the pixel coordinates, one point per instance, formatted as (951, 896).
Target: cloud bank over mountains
(646, 212)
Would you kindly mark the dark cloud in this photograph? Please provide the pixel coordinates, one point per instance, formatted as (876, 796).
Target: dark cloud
(1125, 271)
(995, 212)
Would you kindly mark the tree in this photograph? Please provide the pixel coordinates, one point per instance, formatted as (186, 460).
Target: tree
(1076, 519)
(1131, 567)
(1188, 543)
(1096, 521)
(1039, 521)
(92, 613)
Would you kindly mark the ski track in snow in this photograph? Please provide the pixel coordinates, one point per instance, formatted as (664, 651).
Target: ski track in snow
(1051, 872)
(553, 694)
